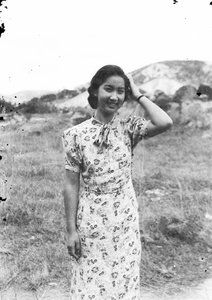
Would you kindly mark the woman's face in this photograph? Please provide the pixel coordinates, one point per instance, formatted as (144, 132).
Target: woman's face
(111, 94)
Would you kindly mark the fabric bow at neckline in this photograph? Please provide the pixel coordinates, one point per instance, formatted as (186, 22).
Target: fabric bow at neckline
(102, 137)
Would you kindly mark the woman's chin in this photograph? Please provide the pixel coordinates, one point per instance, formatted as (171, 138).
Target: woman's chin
(112, 108)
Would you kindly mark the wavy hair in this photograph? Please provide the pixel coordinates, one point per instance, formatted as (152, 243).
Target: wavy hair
(100, 77)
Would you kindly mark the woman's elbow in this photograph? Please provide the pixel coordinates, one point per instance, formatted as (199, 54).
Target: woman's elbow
(169, 123)
(165, 124)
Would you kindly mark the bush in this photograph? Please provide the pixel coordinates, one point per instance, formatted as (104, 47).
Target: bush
(36, 106)
(81, 119)
(162, 100)
(67, 93)
(163, 104)
(6, 107)
(48, 98)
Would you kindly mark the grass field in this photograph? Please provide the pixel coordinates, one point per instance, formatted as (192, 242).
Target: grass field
(172, 178)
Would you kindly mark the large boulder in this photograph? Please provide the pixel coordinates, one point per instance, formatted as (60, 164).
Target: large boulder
(205, 90)
(186, 92)
(162, 100)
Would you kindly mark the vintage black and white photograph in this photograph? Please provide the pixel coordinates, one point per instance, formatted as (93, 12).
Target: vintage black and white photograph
(105, 150)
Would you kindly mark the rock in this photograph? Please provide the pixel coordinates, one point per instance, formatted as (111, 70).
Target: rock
(206, 90)
(186, 92)
(207, 135)
(197, 113)
(203, 97)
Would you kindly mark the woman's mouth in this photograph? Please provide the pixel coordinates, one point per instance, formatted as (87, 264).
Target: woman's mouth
(112, 105)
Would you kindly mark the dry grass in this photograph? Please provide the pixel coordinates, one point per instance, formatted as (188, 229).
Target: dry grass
(172, 179)
(174, 194)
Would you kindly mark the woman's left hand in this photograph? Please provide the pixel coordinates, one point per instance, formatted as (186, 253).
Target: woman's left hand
(134, 88)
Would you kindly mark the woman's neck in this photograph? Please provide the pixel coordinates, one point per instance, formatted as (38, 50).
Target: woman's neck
(103, 118)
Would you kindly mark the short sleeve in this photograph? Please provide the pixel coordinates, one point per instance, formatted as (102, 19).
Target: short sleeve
(71, 146)
(137, 129)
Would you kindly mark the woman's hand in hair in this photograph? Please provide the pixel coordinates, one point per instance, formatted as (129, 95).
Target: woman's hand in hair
(135, 92)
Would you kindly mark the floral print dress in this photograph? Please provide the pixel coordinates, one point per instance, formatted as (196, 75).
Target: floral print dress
(107, 216)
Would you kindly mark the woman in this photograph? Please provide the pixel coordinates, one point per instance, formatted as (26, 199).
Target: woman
(102, 219)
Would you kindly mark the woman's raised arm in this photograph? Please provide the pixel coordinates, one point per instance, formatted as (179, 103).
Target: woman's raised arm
(160, 121)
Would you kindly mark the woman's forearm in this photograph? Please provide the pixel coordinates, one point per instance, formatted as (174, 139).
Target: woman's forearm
(158, 116)
(71, 199)
(160, 121)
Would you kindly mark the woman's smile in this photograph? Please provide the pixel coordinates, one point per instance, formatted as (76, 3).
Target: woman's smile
(112, 105)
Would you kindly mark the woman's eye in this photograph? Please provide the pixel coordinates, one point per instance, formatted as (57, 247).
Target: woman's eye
(121, 91)
(108, 89)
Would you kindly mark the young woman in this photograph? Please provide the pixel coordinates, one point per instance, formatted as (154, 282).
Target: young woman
(102, 218)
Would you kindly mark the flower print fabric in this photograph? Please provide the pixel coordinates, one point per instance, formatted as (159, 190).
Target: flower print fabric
(107, 216)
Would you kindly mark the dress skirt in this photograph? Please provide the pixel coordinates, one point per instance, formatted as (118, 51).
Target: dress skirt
(108, 225)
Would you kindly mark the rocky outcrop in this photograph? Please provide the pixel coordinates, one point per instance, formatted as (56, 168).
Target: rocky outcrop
(185, 72)
(197, 114)
(205, 90)
(186, 92)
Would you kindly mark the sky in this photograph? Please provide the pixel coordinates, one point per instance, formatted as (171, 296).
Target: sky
(52, 45)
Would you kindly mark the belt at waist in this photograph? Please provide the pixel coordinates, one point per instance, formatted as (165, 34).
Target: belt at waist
(98, 189)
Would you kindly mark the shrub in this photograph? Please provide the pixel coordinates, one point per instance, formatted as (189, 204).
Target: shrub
(48, 98)
(36, 106)
(81, 119)
(5, 106)
(162, 100)
(67, 93)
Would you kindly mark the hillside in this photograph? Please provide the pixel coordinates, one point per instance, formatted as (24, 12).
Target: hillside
(190, 72)
(167, 76)
(79, 100)
(166, 79)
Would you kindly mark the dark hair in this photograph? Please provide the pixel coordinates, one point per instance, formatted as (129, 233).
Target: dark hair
(100, 77)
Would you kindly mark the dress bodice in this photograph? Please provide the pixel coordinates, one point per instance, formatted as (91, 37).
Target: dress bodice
(103, 152)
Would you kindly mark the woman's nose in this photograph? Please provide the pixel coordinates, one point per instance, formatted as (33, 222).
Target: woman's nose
(114, 96)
